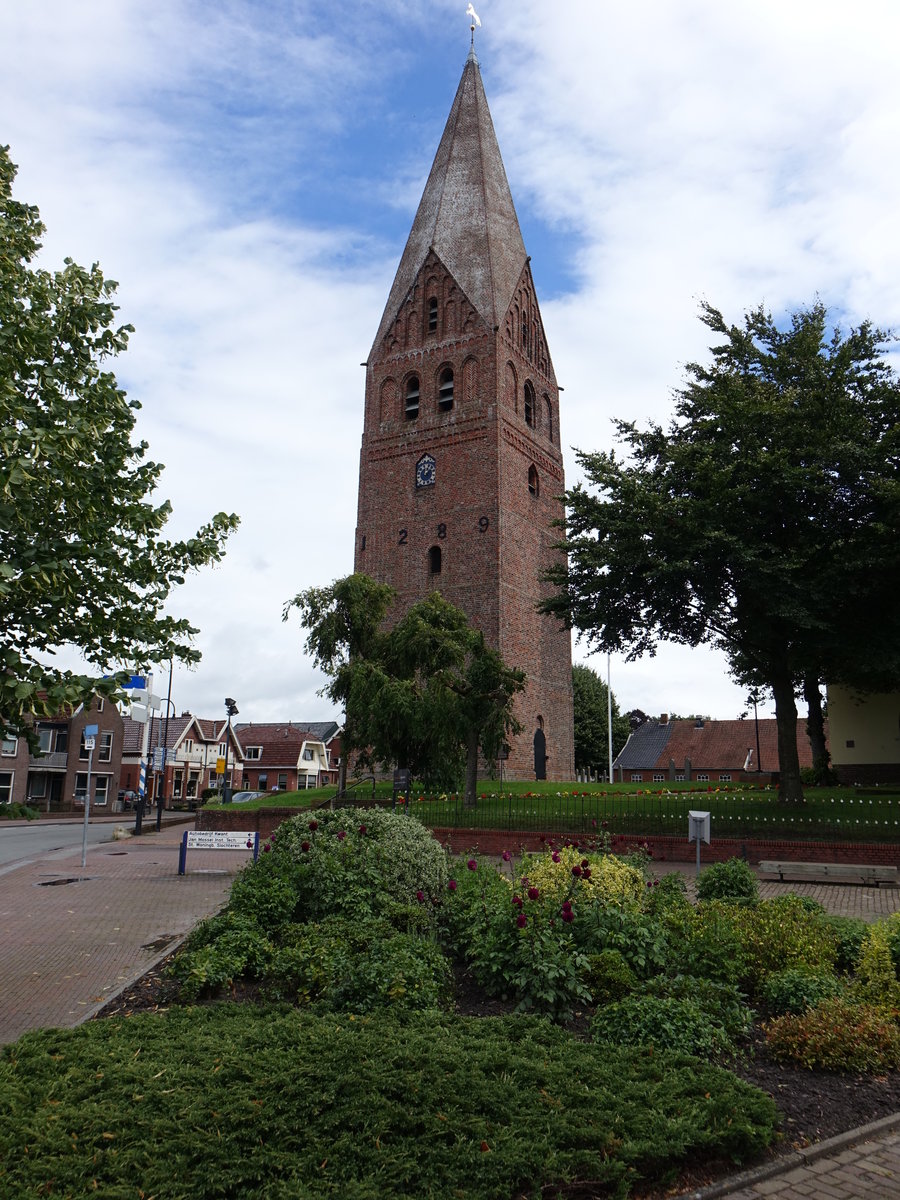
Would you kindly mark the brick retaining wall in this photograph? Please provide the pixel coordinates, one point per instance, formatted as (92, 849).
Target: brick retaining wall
(663, 849)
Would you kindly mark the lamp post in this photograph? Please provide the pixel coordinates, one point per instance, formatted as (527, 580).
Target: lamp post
(232, 710)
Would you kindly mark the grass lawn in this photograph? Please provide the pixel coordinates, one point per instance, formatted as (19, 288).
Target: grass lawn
(833, 813)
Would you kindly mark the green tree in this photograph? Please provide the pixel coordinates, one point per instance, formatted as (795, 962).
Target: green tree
(763, 520)
(82, 559)
(592, 720)
(426, 693)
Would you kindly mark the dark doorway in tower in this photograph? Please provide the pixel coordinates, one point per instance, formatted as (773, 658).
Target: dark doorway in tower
(540, 751)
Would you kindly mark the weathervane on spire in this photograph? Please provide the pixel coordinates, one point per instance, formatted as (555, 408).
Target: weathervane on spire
(475, 19)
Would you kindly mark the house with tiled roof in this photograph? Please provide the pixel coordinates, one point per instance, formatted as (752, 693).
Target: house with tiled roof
(286, 756)
(193, 747)
(705, 751)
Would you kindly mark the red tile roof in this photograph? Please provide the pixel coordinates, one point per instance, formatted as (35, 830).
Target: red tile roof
(712, 746)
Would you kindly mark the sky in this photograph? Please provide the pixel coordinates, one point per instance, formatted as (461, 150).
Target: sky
(248, 172)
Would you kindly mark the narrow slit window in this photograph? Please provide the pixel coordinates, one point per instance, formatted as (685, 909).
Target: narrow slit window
(412, 399)
(434, 560)
(529, 405)
(549, 409)
(432, 314)
(445, 390)
(534, 485)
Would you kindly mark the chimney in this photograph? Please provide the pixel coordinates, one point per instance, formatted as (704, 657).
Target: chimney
(663, 718)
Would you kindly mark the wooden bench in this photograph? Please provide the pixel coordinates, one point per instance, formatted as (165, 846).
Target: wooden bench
(866, 872)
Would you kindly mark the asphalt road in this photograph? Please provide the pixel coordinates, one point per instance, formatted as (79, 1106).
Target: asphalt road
(20, 844)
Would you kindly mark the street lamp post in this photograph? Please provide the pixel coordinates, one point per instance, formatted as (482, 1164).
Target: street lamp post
(232, 710)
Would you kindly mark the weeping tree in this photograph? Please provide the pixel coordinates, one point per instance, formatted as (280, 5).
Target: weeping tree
(762, 520)
(425, 692)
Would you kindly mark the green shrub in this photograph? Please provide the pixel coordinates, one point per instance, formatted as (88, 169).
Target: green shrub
(638, 937)
(218, 952)
(18, 812)
(796, 990)
(359, 966)
(731, 880)
(722, 1002)
(609, 977)
(781, 933)
(876, 979)
(288, 1104)
(837, 1036)
(848, 934)
(663, 1022)
(668, 891)
(705, 941)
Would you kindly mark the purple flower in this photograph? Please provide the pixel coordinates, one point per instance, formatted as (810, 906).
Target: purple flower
(362, 830)
(472, 864)
(568, 916)
(451, 884)
(518, 901)
(506, 856)
(341, 835)
(576, 871)
(554, 857)
(304, 846)
(521, 920)
(585, 862)
(587, 872)
(313, 826)
(266, 848)
(533, 893)
(420, 896)
(567, 906)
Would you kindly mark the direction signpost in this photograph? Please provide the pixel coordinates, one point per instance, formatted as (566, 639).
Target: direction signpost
(90, 741)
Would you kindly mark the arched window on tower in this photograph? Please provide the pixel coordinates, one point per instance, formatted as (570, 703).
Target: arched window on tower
(548, 409)
(534, 484)
(529, 404)
(445, 390)
(412, 398)
(434, 560)
(432, 314)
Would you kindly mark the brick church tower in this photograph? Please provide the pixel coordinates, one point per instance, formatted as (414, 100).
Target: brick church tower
(461, 468)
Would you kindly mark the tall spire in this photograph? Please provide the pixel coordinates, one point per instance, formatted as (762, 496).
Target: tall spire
(466, 213)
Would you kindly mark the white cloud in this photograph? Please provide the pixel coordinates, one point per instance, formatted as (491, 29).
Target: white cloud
(739, 153)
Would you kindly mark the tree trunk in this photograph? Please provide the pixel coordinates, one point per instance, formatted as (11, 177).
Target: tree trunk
(471, 768)
(790, 787)
(815, 727)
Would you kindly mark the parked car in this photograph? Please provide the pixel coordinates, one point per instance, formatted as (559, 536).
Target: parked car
(243, 797)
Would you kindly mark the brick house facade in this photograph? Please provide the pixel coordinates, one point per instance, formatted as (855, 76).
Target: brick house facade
(287, 756)
(56, 778)
(461, 467)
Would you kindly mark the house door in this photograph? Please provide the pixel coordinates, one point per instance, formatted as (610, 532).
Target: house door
(540, 754)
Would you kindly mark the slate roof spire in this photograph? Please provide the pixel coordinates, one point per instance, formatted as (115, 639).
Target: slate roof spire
(466, 213)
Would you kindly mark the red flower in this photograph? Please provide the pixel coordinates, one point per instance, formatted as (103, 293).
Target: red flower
(567, 906)
(587, 872)
(451, 884)
(314, 825)
(518, 901)
(533, 893)
(420, 896)
(304, 846)
(568, 916)
(362, 830)
(341, 835)
(506, 856)
(585, 862)
(576, 871)
(472, 864)
(554, 856)
(521, 920)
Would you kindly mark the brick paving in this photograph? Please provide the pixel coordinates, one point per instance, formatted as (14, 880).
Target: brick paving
(66, 948)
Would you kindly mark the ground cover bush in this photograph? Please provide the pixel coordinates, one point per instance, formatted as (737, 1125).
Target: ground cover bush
(796, 990)
(838, 1035)
(731, 880)
(663, 1023)
(246, 1103)
(18, 812)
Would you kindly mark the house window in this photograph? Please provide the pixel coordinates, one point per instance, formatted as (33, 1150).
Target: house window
(6, 782)
(307, 755)
(177, 781)
(851, 744)
(45, 737)
(701, 778)
(253, 752)
(282, 782)
(434, 560)
(679, 779)
(101, 788)
(637, 777)
(106, 741)
(529, 404)
(445, 390)
(432, 314)
(188, 746)
(658, 778)
(263, 781)
(194, 779)
(725, 779)
(100, 705)
(9, 747)
(37, 785)
(412, 399)
(534, 484)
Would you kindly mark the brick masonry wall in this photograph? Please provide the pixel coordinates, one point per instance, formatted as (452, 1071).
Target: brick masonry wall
(663, 849)
(494, 535)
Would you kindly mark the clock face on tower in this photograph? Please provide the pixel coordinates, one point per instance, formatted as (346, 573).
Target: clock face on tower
(425, 471)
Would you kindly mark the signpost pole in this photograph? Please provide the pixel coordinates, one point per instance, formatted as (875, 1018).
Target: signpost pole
(90, 740)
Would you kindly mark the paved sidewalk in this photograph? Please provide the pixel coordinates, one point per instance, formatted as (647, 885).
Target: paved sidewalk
(71, 939)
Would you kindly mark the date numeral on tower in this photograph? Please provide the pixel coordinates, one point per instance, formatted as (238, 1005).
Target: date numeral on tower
(401, 540)
(483, 523)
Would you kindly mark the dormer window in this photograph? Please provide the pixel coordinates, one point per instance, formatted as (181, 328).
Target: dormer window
(252, 752)
(432, 315)
(412, 399)
(445, 390)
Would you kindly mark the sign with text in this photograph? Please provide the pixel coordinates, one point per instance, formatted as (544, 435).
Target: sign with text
(219, 839)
